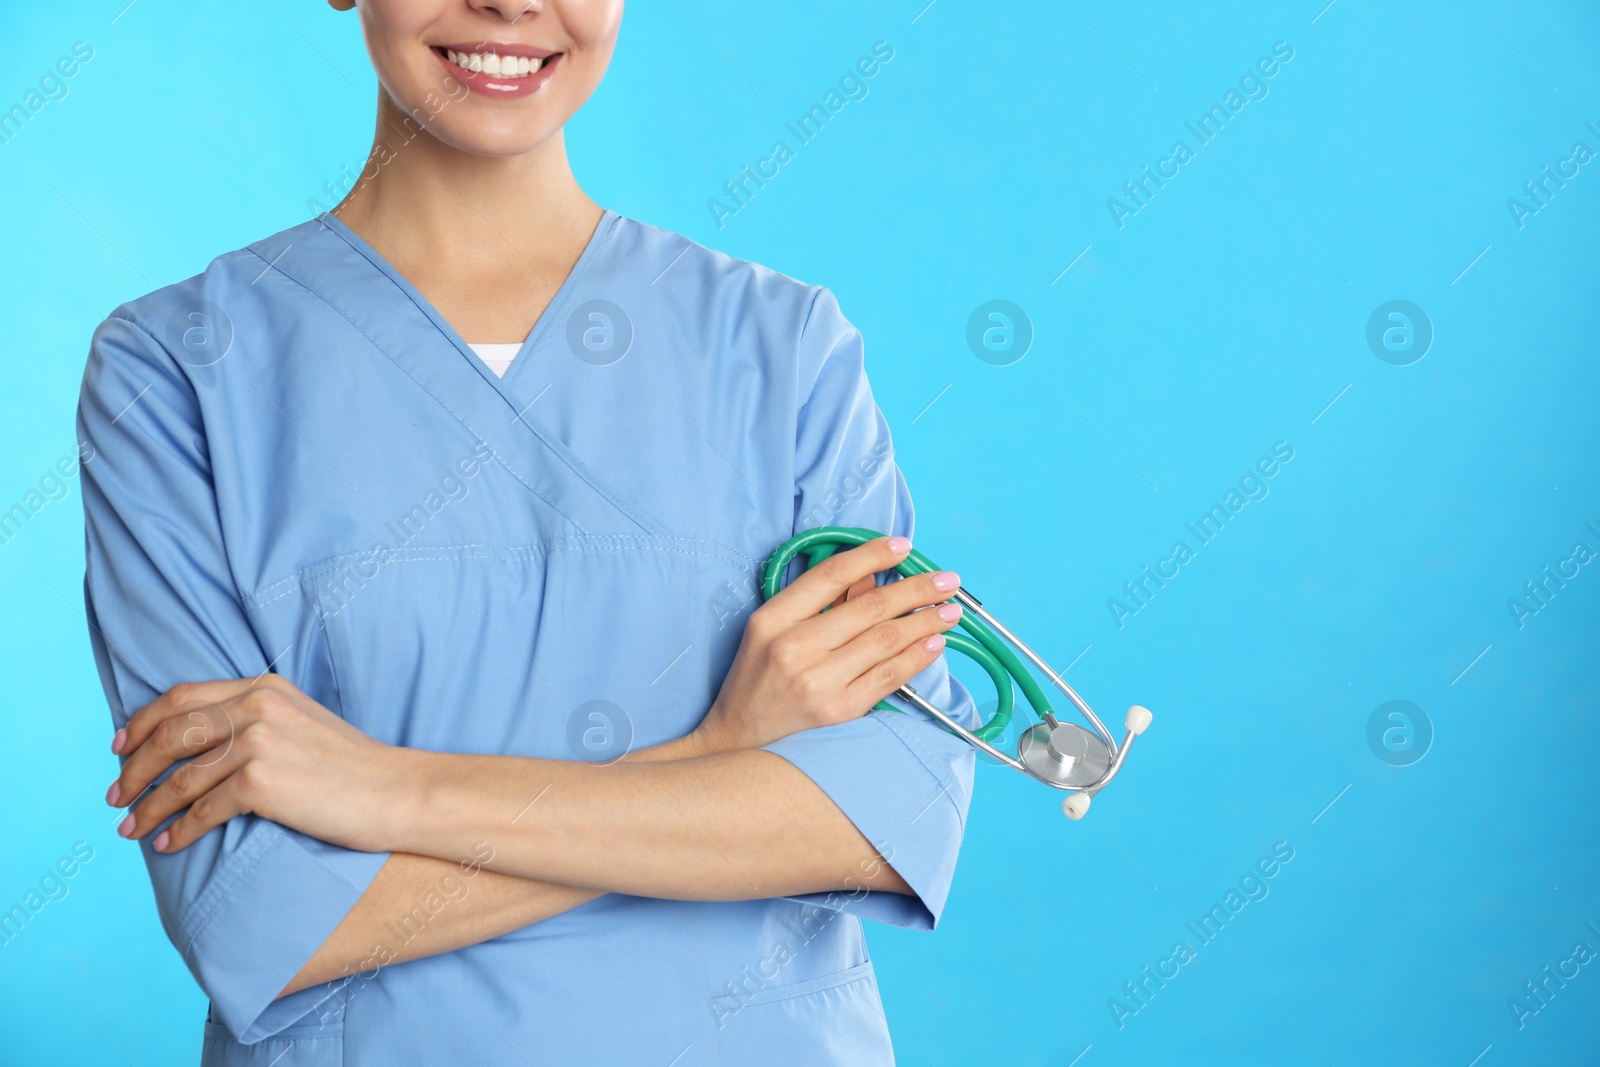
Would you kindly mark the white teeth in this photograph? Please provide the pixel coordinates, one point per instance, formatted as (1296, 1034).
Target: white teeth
(497, 65)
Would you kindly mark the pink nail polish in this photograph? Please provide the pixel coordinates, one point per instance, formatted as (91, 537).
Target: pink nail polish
(117, 740)
(934, 643)
(125, 828)
(899, 545)
(944, 581)
(114, 794)
(160, 843)
(950, 612)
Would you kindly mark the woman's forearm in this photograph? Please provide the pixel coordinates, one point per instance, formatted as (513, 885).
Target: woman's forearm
(498, 843)
(739, 825)
(420, 906)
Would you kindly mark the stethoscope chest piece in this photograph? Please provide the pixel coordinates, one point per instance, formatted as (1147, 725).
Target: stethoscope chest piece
(1064, 756)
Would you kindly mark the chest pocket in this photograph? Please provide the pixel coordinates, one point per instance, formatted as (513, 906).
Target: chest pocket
(581, 646)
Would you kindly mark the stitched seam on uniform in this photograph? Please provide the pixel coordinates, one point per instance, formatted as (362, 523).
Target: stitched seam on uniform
(290, 581)
(252, 602)
(520, 556)
(521, 552)
(590, 542)
(244, 861)
(293, 1032)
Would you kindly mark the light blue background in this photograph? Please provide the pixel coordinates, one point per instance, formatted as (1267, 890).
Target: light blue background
(1224, 317)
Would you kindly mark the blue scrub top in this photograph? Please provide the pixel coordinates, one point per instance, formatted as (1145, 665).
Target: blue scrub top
(296, 464)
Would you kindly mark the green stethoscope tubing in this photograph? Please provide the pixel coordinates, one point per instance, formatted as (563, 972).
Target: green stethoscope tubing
(983, 646)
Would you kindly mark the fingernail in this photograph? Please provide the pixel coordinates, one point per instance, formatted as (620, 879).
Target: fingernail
(944, 581)
(114, 794)
(160, 843)
(899, 545)
(125, 828)
(117, 739)
(934, 643)
(950, 612)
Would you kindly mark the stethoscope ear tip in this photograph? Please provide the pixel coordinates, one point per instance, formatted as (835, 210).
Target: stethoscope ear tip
(1076, 806)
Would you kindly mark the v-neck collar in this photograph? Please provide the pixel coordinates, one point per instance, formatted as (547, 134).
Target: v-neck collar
(552, 313)
(360, 286)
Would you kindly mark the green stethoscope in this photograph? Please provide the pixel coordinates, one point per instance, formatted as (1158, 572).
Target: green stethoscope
(1061, 755)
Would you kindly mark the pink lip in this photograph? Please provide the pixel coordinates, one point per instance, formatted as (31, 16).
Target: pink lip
(502, 88)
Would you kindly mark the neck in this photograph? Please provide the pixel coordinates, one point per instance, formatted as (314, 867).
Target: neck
(421, 201)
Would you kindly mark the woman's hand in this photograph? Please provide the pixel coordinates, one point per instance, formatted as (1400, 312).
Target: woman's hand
(797, 669)
(252, 745)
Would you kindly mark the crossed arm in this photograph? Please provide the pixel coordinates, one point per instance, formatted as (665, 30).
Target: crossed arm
(705, 817)
(686, 858)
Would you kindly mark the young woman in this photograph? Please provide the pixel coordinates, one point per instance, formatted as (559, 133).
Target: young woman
(452, 726)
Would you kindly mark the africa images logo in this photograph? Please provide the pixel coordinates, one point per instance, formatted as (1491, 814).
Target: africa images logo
(1137, 193)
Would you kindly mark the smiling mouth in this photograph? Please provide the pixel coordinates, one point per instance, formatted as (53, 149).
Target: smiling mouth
(495, 64)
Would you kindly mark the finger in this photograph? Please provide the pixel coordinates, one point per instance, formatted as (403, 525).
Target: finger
(836, 628)
(889, 639)
(820, 585)
(208, 812)
(185, 735)
(891, 674)
(147, 719)
(869, 582)
(182, 788)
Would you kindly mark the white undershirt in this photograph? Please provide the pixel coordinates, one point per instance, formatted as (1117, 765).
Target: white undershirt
(498, 356)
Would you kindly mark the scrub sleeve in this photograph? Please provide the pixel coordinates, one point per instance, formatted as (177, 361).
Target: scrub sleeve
(900, 777)
(247, 904)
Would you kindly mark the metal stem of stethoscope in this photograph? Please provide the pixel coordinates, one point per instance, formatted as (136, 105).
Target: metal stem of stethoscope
(916, 698)
(972, 603)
